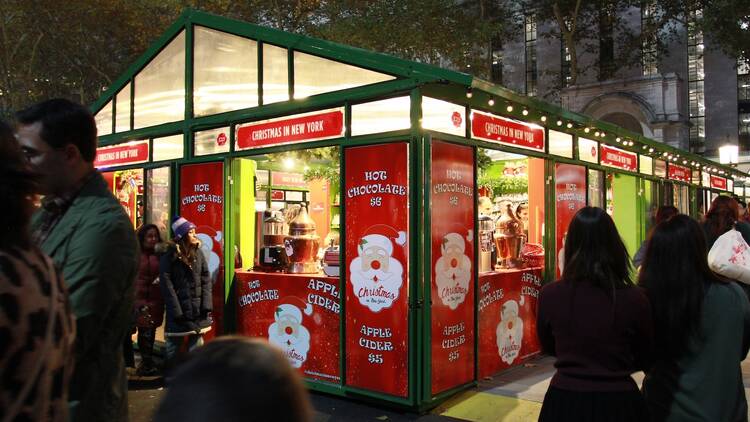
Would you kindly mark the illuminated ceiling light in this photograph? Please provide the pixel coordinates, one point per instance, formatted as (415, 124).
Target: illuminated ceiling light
(509, 108)
(543, 118)
(469, 93)
(559, 122)
(587, 130)
(289, 163)
(525, 112)
(491, 101)
(569, 125)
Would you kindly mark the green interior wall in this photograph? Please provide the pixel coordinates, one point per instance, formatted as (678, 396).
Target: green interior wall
(625, 206)
(243, 210)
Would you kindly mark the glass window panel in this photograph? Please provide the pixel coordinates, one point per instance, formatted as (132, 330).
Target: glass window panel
(168, 147)
(104, 120)
(561, 144)
(443, 116)
(696, 177)
(739, 191)
(226, 72)
(730, 185)
(160, 87)
(646, 164)
(314, 75)
(122, 118)
(660, 168)
(158, 199)
(211, 141)
(596, 188)
(588, 150)
(381, 116)
(275, 74)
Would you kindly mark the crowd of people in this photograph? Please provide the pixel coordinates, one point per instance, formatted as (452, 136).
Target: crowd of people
(76, 282)
(686, 327)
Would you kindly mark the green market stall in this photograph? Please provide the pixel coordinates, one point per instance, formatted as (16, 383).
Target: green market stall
(386, 223)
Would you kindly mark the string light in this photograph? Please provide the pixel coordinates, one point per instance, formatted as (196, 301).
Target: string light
(491, 101)
(543, 118)
(559, 122)
(469, 93)
(570, 125)
(525, 112)
(509, 108)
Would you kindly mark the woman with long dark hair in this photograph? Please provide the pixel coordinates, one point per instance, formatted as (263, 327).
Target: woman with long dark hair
(663, 213)
(702, 330)
(722, 217)
(149, 304)
(597, 324)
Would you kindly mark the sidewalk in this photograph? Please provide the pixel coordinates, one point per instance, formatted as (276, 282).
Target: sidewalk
(515, 395)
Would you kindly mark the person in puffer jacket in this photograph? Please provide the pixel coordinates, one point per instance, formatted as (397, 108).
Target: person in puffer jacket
(186, 288)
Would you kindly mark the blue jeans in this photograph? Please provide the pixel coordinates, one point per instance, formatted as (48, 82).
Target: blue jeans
(175, 344)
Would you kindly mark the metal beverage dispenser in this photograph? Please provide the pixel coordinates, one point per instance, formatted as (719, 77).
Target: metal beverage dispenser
(272, 256)
(486, 243)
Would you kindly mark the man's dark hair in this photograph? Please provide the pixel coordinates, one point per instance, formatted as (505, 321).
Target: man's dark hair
(63, 122)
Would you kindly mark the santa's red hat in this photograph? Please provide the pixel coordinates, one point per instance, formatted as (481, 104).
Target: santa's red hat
(381, 235)
(293, 306)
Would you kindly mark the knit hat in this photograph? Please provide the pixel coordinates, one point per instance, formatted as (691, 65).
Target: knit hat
(181, 226)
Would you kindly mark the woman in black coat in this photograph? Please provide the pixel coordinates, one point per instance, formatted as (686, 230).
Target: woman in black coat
(186, 287)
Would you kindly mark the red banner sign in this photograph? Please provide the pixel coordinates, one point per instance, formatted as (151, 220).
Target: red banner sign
(505, 131)
(202, 203)
(718, 182)
(570, 196)
(377, 262)
(298, 313)
(291, 180)
(310, 127)
(675, 172)
(452, 231)
(615, 157)
(507, 319)
(130, 153)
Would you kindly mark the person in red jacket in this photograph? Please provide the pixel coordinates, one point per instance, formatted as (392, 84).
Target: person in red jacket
(149, 303)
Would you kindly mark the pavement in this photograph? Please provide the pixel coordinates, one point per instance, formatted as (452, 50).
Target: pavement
(514, 395)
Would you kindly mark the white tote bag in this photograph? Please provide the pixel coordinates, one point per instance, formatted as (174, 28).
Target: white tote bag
(730, 257)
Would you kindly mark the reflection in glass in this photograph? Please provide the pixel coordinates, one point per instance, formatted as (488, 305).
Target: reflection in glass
(122, 118)
(314, 75)
(104, 120)
(596, 189)
(158, 199)
(160, 87)
(211, 141)
(226, 72)
(168, 148)
(275, 74)
(381, 116)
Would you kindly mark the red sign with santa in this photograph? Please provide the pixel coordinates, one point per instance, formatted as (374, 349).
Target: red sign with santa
(506, 131)
(452, 232)
(718, 182)
(298, 313)
(570, 196)
(680, 173)
(377, 261)
(202, 202)
(507, 318)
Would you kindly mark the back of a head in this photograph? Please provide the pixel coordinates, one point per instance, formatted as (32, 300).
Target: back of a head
(63, 122)
(722, 215)
(674, 271)
(665, 212)
(594, 251)
(235, 379)
(17, 187)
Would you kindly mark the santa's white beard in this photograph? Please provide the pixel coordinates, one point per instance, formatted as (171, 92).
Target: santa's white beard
(452, 282)
(509, 340)
(295, 348)
(379, 294)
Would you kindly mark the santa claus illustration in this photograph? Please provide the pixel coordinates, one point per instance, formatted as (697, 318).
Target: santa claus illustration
(453, 270)
(211, 241)
(375, 274)
(509, 332)
(287, 331)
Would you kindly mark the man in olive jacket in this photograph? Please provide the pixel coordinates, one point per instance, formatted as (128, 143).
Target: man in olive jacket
(88, 235)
